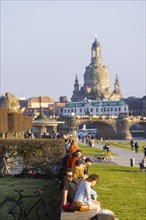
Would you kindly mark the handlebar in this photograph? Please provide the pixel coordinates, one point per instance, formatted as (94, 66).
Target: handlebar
(40, 190)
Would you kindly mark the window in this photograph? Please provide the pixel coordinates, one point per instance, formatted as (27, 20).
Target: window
(96, 109)
(108, 109)
(72, 110)
(68, 110)
(101, 109)
(111, 109)
(119, 109)
(91, 109)
(104, 109)
(125, 109)
(64, 110)
(80, 110)
(115, 109)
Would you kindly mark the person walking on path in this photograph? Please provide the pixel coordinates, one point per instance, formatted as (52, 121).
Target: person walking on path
(132, 144)
(122, 156)
(144, 150)
(136, 147)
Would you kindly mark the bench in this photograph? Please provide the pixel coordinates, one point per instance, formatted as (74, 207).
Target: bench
(77, 215)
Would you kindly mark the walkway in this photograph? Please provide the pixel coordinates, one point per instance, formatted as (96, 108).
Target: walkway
(123, 156)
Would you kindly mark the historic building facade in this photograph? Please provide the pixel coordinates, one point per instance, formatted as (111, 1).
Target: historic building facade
(96, 80)
(96, 107)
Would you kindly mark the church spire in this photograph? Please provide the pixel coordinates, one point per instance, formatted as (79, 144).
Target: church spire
(76, 85)
(117, 89)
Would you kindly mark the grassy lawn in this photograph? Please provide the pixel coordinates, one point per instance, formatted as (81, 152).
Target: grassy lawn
(121, 189)
(30, 185)
(124, 145)
(89, 150)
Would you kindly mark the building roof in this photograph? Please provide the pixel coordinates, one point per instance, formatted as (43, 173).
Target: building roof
(95, 103)
(41, 99)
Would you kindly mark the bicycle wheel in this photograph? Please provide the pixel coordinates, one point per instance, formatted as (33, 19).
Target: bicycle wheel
(7, 173)
(96, 159)
(45, 211)
(10, 210)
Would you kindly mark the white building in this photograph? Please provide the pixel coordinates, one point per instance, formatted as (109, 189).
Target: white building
(94, 107)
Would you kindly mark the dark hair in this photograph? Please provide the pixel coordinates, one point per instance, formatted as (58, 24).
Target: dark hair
(67, 170)
(74, 154)
(78, 162)
(92, 177)
(79, 150)
(104, 215)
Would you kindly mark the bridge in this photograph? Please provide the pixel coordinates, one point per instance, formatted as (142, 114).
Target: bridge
(108, 126)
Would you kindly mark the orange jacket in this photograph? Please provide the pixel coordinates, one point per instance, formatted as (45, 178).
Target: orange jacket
(73, 148)
(71, 162)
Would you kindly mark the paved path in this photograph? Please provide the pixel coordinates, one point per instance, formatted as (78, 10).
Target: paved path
(123, 156)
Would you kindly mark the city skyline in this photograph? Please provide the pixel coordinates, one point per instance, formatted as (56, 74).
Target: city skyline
(45, 44)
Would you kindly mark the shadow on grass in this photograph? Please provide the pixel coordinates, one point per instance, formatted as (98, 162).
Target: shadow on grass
(52, 195)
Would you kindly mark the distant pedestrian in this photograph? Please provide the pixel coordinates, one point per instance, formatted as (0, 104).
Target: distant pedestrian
(132, 144)
(136, 147)
(144, 150)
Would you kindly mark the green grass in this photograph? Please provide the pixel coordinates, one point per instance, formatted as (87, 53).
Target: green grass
(125, 145)
(52, 194)
(122, 190)
(89, 150)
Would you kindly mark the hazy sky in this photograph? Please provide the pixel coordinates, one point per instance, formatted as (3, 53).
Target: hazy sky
(44, 44)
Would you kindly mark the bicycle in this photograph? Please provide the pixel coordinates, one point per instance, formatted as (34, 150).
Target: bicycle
(12, 165)
(106, 155)
(12, 209)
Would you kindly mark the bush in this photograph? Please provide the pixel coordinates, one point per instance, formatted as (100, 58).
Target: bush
(34, 149)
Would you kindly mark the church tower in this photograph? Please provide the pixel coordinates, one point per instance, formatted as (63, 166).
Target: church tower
(76, 91)
(76, 85)
(96, 80)
(96, 76)
(116, 94)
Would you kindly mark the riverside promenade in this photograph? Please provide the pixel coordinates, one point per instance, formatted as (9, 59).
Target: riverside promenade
(123, 156)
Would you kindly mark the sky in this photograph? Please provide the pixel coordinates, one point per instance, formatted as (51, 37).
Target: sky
(44, 44)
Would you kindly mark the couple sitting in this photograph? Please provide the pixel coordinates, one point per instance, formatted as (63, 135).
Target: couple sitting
(80, 194)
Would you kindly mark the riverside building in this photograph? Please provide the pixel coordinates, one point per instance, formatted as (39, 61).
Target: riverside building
(96, 107)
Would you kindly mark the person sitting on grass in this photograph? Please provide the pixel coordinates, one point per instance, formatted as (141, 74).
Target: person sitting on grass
(73, 147)
(73, 158)
(78, 171)
(83, 199)
(88, 163)
(142, 164)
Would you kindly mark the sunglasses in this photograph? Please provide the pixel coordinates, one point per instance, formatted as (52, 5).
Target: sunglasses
(69, 175)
